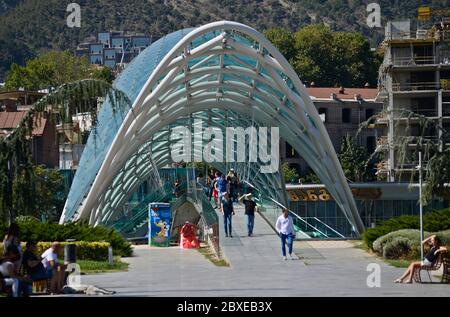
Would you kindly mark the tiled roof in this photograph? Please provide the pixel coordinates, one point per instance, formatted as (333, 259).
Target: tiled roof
(11, 120)
(349, 93)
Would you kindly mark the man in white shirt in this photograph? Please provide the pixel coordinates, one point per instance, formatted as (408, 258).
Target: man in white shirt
(50, 256)
(285, 228)
(50, 263)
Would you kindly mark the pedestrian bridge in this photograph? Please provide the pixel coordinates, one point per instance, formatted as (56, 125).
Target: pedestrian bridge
(224, 75)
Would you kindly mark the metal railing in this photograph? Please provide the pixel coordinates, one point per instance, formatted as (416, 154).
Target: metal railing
(128, 225)
(196, 195)
(414, 60)
(415, 86)
(315, 228)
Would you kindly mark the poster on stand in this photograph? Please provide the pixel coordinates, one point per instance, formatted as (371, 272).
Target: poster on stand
(160, 220)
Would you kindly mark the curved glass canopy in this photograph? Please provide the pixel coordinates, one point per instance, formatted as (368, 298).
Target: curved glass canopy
(225, 74)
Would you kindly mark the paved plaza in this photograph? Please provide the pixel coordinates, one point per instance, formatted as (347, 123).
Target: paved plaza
(326, 268)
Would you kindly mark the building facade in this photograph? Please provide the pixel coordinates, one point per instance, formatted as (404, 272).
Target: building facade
(414, 77)
(44, 142)
(342, 110)
(113, 49)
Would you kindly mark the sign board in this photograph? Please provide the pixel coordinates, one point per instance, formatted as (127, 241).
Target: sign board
(159, 222)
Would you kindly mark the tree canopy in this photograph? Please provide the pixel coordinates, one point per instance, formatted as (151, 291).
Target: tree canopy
(328, 58)
(53, 69)
(354, 160)
(289, 173)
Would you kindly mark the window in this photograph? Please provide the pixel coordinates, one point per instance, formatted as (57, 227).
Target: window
(370, 144)
(346, 115)
(290, 151)
(369, 113)
(323, 114)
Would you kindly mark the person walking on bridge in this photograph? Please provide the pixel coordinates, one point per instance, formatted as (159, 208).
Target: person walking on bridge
(250, 208)
(285, 228)
(228, 212)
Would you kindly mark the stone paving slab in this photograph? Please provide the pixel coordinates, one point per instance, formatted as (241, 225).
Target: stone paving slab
(328, 268)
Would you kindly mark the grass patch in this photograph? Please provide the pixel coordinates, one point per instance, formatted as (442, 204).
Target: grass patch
(211, 256)
(90, 267)
(359, 244)
(398, 263)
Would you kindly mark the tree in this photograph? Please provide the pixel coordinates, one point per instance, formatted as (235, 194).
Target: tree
(431, 139)
(328, 58)
(49, 70)
(313, 49)
(24, 189)
(353, 160)
(311, 178)
(49, 187)
(288, 172)
(334, 58)
(102, 73)
(283, 40)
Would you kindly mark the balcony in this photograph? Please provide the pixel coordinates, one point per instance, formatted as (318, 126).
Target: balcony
(417, 60)
(418, 86)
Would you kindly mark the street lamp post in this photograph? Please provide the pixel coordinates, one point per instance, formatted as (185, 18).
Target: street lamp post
(421, 205)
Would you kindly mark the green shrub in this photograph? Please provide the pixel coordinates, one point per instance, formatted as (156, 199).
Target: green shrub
(405, 243)
(412, 235)
(38, 231)
(435, 220)
(397, 248)
(445, 237)
(96, 251)
(370, 235)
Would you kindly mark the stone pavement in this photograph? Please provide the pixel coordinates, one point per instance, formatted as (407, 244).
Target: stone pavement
(326, 268)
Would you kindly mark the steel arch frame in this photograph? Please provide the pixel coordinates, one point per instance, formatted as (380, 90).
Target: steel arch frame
(235, 69)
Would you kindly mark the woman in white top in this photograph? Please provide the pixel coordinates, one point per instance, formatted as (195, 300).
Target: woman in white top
(8, 271)
(285, 228)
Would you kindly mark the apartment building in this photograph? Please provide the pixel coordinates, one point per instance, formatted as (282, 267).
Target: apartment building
(342, 110)
(113, 49)
(414, 77)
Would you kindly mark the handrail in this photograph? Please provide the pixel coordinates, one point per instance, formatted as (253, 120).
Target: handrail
(209, 216)
(414, 60)
(142, 209)
(293, 213)
(338, 233)
(415, 86)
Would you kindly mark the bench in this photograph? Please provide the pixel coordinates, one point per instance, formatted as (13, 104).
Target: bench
(441, 260)
(41, 286)
(7, 290)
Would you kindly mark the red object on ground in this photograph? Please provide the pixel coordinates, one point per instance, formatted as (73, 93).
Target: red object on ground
(188, 238)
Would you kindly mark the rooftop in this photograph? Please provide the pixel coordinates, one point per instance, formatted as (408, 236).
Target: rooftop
(11, 120)
(349, 93)
(8, 95)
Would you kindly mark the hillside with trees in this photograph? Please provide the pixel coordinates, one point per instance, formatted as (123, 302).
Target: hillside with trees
(28, 27)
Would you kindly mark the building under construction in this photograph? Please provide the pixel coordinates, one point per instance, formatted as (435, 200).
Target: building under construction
(414, 77)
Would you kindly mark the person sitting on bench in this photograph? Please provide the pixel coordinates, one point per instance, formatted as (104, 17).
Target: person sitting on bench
(9, 272)
(50, 263)
(33, 265)
(428, 260)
